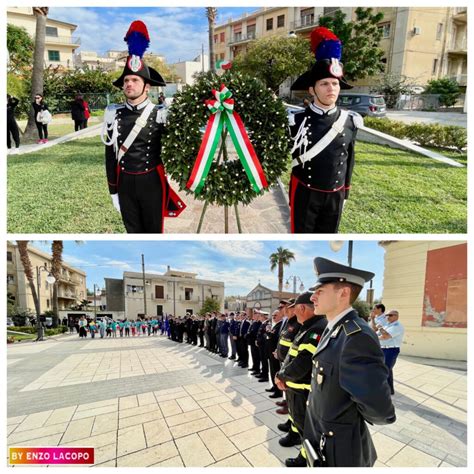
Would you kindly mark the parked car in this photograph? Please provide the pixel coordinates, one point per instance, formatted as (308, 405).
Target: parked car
(367, 105)
(10, 322)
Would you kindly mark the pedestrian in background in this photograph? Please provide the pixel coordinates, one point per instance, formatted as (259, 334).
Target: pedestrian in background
(78, 113)
(42, 118)
(12, 127)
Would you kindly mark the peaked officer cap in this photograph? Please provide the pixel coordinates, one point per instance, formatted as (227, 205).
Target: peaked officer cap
(329, 272)
(303, 298)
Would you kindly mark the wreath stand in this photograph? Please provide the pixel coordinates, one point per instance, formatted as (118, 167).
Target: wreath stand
(222, 154)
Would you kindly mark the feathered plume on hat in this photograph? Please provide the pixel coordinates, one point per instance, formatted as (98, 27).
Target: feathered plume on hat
(325, 44)
(327, 49)
(138, 40)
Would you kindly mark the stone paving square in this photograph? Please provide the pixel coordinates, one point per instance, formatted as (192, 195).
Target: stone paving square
(175, 405)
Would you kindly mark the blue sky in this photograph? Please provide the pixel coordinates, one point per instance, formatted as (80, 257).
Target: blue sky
(176, 33)
(239, 264)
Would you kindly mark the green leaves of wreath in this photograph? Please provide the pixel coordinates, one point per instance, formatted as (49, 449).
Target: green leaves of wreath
(265, 120)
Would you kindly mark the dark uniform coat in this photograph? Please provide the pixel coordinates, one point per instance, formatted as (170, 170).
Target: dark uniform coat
(288, 332)
(349, 388)
(319, 186)
(144, 194)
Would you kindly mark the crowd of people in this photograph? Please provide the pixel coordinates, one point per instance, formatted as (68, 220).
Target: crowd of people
(330, 370)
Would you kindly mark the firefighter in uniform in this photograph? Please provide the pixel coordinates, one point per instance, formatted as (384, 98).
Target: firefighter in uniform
(295, 374)
(323, 142)
(349, 385)
(132, 134)
(289, 329)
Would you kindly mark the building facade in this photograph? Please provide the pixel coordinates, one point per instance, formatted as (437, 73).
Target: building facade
(265, 299)
(421, 43)
(426, 281)
(174, 292)
(60, 44)
(186, 70)
(71, 286)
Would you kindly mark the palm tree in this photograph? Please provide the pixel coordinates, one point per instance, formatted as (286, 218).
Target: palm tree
(211, 14)
(28, 269)
(281, 258)
(41, 14)
(56, 266)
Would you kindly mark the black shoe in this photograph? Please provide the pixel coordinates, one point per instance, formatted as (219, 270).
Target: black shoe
(299, 461)
(264, 380)
(273, 389)
(232, 358)
(291, 439)
(277, 394)
(244, 366)
(285, 427)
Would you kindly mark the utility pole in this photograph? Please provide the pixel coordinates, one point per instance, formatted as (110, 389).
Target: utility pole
(202, 57)
(144, 285)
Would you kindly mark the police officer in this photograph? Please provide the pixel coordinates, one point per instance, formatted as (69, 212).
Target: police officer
(323, 142)
(242, 342)
(261, 344)
(233, 334)
(132, 135)
(272, 337)
(290, 328)
(251, 341)
(349, 385)
(295, 374)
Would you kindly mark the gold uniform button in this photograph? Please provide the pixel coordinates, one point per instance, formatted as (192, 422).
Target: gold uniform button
(331, 433)
(307, 403)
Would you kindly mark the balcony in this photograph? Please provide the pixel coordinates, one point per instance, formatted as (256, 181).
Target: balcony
(461, 79)
(68, 280)
(64, 40)
(304, 23)
(458, 47)
(242, 39)
(65, 295)
(460, 14)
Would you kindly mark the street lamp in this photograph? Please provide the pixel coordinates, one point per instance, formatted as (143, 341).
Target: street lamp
(337, 245)
(97, 292)
(51, 280)
(295, 279)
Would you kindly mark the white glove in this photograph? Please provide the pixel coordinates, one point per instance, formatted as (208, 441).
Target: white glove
(115, 201)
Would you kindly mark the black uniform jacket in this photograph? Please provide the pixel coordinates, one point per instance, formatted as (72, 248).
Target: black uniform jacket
(272, 337)
(144, 155)
(330, 170)
(252, 332)
(288, 333)
(296, 368)
(349, 388)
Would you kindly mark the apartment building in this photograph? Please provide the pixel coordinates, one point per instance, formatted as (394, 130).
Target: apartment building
(71, 286)
(60, 44)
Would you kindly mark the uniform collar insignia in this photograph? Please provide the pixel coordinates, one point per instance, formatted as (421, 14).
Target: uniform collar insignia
(140, 106)
(320, 111)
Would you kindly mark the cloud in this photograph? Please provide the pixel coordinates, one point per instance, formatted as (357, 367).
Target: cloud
(176, 33)
(241, 249)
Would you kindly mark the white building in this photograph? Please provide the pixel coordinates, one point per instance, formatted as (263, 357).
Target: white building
(185, 70)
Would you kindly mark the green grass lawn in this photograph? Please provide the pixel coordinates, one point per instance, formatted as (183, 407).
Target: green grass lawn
(18, 337)
(64, 190)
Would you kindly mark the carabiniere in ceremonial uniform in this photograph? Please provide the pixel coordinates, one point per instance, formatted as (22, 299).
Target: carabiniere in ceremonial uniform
(323, 144)
(132, 135)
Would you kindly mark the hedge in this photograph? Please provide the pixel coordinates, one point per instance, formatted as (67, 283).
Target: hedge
(425, 134)
(32, 330)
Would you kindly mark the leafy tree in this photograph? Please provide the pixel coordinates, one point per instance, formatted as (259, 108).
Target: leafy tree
(273, 59)
(168, 72)
(20, 48)
(391, 86)
(361, 54)
(362, 307)
(279, 259)
(210, 305)
(447, 88)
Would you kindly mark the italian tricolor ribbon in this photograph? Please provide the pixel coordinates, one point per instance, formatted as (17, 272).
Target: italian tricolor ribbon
(223, 115)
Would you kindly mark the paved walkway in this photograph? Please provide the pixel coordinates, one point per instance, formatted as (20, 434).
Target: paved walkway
(152, 402)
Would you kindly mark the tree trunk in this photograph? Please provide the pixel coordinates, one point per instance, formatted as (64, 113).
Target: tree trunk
(56, 261)
(280, 277)
(28, 269)
(38, 67)
(211, 16)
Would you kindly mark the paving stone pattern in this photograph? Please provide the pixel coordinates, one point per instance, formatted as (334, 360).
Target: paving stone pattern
(175, 405)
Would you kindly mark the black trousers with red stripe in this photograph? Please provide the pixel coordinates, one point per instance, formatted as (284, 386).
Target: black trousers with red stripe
(141, 198)
(315, 212)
